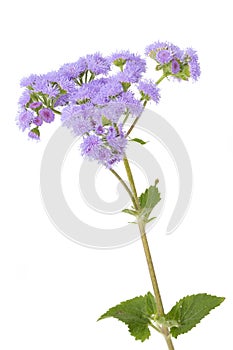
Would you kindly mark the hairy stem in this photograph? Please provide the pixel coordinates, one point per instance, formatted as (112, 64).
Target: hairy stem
(141, 225)
(159, 303)
(161, 78)
(124, 185)
(154, 281)
(131, 181)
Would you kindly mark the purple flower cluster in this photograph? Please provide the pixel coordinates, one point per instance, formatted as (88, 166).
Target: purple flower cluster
(36, 116)
(105, 144)
(95, 95)
(181, 64)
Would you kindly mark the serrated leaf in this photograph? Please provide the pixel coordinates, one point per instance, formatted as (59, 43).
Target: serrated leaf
(148, 200)
(136, 139)
(135, 313)
(190, 310)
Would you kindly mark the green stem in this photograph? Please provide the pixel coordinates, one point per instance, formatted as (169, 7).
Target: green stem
(154, 281)
(55, 110)
(144, 105)
(141, 225)
(126, 117)
(132, 126)
(131, 181)
(159, 303)
(124, 185)
(136, 120)
(161, 79)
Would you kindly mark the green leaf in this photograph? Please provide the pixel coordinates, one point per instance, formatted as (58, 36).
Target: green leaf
(130, 211)
(151, 304)
(148, 200)
(136, 314)
(139, 141)
(189, 311)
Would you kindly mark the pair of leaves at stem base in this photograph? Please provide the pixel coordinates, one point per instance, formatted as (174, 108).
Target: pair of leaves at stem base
(140, 313)
(147, 200)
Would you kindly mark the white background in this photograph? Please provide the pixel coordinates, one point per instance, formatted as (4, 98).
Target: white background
(53, 290)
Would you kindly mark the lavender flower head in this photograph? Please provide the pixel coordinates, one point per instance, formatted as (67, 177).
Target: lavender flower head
(97, 64)
(193, 63)
(47, 115)
(163, 56)
(38, 121)
(24, 119)
(149, 90)
(35, 105)
(175, 68)
(73, 70)
(24, 98)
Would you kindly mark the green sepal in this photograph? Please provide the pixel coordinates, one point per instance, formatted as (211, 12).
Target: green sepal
(119, 62)
(62, 91)
(184, 74)
(144, 97)
(158, 67)
(36, 131)
(125, 86)
(82, 102)
(152, 55)
(106, 121)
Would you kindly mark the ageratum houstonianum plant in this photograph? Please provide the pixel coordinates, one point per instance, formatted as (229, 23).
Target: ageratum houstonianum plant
(95, 97)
